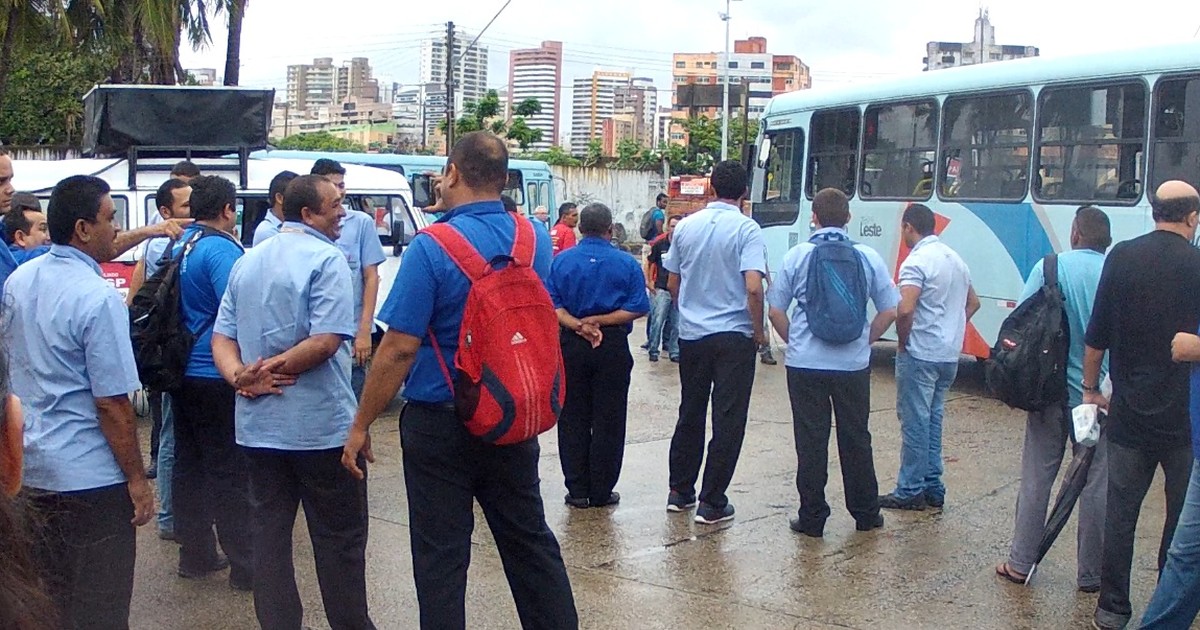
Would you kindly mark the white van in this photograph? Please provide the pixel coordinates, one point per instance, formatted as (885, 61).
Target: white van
(382, 193)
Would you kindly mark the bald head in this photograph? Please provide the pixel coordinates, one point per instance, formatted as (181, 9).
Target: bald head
(481, 159)
(1174, 202)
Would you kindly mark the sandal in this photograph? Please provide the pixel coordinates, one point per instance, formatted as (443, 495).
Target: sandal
(1007, 572)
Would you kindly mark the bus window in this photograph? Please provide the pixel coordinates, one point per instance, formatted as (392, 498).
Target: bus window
(833, 150)
(985, 146)
(544, 195)
(899, 143)
(532, 198)
(780, 203)
(1090, 143)
(1176, 131)
(515, 186)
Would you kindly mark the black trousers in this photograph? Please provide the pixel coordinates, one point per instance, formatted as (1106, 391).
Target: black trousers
(335, 509)
(85, 547)
(446, 469)
(210, 482)
(720, 365)
(591, 429)
(155, 400)
(1130, 472)
(816, 395)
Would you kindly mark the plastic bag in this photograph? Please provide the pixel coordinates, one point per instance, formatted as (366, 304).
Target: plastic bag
(1085, 422)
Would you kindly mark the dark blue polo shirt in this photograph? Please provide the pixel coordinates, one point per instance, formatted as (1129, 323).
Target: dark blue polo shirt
(431, 291)
(595, 278)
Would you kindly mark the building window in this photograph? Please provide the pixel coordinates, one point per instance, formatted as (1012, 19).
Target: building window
(985, 146)
(680, 64)
(733, 65)
(833, 150)
(1091, 143)
(757, 65)
(1176, 151)
(898, 150)
(699, 64)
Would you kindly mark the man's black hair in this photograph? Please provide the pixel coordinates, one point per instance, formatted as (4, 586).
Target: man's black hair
(1174, 209)
(16, 220)
(482, 160)
(921, 218)
(74, 198)
(509, 203)
(165, 197)
(303, 192)
(326, 166)
(565, 209)
(210, 195)
(595, 219)
(185, 168)
(26, 201)
(831, 207)
(279, 183)
(660, 197)
(1095, 230)
(729, 179)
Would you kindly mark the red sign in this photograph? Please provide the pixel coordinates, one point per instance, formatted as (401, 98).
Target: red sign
(118, 274)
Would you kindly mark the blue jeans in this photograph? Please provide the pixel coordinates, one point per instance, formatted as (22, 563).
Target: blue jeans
(1176, 600)
(920, 402)
(664, 324)
(166, 465)
(358, 378)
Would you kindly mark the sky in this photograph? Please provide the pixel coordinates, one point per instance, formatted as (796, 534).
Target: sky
(841, 40)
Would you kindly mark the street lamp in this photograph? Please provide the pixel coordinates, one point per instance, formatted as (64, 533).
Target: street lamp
(725, 97)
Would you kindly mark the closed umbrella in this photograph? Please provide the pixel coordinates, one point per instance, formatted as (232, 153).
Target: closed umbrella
(1068, 493)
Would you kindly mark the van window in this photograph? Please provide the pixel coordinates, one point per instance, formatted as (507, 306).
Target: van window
(899, 143)
(1176, 151)
(385, 209)
(1091, 142)
(985, 146)
(121, 211)
(515, 186)
(544, 188)
(833, 150)
(780, 204)
(532, 199)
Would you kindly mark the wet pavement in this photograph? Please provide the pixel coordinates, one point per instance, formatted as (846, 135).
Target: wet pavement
(636, 566)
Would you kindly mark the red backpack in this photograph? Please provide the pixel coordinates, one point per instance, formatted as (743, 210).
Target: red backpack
(511, 385)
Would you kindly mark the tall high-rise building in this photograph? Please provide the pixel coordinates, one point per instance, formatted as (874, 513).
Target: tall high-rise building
(635, 108)
(593, 101)
(764, 74)
(322, 84)
(470, 70)
(537, 73)
(354, 81)
(982, 49)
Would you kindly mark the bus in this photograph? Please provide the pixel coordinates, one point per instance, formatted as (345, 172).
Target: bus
(1003, 153)
(530, 182)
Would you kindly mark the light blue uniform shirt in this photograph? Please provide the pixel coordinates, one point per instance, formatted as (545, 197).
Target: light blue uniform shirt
(360, 245)
(806, 351)
(1078, 278)
(292, 287)
(266, 228)
(68, 337)
(940, 322)
(710, 250)
(155, 248)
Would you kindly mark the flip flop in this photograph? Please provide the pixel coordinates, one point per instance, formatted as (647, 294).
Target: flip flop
(1006, 572)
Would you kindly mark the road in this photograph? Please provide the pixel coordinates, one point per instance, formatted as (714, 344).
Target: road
(636, 566)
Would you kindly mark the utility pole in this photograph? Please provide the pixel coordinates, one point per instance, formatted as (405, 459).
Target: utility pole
(449, 86)
(725, 98)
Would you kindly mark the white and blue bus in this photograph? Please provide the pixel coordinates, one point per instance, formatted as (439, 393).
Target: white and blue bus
(1003, 153)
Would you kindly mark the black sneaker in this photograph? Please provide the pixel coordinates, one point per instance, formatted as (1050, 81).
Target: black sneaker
(645, 346)
(674, 359)
(812, 531)
(654, 358)
(767, 358)
(869, 524)
(196, 573)
(238, 582)
(613, 499)
(581, 503)
(677, 502)
(152, 471)
(934, 500)
(709, 515)
(892, 502)
(167, 534)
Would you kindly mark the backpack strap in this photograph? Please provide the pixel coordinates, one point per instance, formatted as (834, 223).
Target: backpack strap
(437, 350)
(459, 249)
(524, 242)
(1050, 271)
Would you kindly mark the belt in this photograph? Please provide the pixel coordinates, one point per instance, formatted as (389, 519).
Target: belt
(439, 406)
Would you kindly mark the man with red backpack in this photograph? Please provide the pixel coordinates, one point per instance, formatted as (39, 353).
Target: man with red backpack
(472, 336)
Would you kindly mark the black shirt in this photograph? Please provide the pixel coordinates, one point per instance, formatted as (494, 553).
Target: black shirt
(660, 248)
(1149, 290)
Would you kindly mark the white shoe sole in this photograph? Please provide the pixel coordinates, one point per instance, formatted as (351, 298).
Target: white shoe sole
(703, 521)
(678, 509)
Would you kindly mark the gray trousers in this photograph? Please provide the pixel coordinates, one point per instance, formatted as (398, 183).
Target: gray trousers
(1045, 434)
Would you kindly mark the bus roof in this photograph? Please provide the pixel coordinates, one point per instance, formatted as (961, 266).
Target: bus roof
(989, 76)
(409, 162)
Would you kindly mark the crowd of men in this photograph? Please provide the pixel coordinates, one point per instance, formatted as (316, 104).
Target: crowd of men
(284, 381)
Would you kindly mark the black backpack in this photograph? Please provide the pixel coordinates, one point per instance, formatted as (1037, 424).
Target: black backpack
(162, 343)
(647, 227)
(1028, 366)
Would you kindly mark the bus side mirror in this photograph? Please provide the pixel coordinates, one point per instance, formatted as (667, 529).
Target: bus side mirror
(398, 237)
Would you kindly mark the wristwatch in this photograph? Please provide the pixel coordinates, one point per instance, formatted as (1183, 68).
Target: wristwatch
(1089, 388)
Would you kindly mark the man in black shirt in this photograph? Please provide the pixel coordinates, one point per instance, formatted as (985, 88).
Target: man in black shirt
(664, 317)
(1149, 290)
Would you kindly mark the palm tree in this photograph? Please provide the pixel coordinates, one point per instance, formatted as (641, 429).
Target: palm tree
(233, 49)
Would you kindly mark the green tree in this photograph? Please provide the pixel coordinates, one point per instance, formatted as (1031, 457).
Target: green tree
(556, 156)
(523, 134)
(319, 141)
(529, 107)
(594, 152)
(43, 104)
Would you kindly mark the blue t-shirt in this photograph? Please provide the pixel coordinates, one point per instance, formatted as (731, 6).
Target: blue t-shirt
(293, 286)
(1078, 279)
(595, 278)
(431, 292)
(359, 243)
(203, 275)
(68, 340)
(656, 214)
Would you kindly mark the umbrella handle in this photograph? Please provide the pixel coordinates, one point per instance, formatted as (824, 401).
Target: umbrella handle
(1029, 576)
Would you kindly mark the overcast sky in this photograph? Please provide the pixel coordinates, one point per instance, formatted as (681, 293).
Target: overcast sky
(841, 40)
